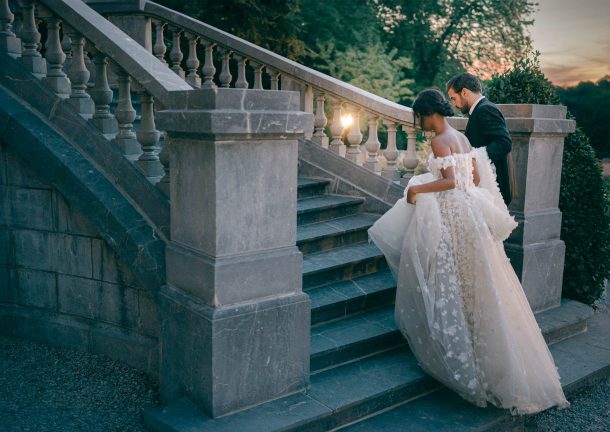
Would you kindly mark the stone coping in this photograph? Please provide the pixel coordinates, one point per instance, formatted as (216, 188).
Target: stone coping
(144, 67)
(331, 86)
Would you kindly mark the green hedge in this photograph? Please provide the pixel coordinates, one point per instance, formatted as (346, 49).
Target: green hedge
(583, 199)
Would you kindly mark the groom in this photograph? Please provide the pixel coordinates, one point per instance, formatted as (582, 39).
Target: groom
(486, 126)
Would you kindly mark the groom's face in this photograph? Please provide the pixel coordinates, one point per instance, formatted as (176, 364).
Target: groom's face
(459, 100)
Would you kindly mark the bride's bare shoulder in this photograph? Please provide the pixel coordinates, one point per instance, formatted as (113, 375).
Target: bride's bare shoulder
(441, 145)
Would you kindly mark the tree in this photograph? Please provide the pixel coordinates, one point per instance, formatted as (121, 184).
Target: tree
(371, 69)
(443, 37)
(590, 104)
(583, 197)
(272, 24)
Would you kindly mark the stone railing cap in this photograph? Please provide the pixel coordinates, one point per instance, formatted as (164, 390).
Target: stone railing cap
(144, 67)
(533, 111)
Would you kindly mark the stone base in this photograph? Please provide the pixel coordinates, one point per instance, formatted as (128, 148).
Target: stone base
(36, 65)
(539, 266)
(10, 45)
(128, 146)
(227, 358)
(150, 168)
(391, 175)
(60, 85)
(106, 125)
(83, 105)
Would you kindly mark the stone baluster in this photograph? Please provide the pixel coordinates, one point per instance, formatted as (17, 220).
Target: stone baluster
(88, 54)
(159, 48)
(241, 81)
(410, 160)
(390, 171)
(354, 138)
(336, 129)
(192, 62)
(102, 96)
(125, 114)
(163, 184)
(308, 103)
(208, 69)
(9, 43)
(372, 145)
(258, 74)
(274, 78)
(66, 46)
(30, 39)
(320, 120)
(175, 55)
(79, 75)
(225, 76)
(56, 78)
(148, 137)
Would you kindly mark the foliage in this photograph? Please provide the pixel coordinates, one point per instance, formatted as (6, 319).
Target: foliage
(585, 227)
(372, 69)
(443, 37)
(272, 24)
(440, 37)
(583, 198)
(590, 104)
(523, 83)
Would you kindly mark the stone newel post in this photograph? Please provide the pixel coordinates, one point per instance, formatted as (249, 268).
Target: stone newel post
(234, 320)
(534, 248)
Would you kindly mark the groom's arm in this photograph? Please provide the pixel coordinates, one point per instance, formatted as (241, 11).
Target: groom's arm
(495, 132)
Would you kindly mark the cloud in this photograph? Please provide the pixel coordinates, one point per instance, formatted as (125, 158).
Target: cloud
(566, 76)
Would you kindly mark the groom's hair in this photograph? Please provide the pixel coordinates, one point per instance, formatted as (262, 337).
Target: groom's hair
(464, 80)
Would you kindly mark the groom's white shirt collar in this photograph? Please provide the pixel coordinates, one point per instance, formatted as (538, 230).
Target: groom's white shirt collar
(475, 104)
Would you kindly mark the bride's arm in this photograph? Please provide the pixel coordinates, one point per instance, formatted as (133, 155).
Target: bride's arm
(440, 149)
(476, 178)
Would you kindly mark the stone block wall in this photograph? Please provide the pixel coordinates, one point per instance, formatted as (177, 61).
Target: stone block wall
(60, 282)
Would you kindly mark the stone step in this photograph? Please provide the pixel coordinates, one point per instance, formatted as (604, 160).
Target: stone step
(347, 262)
(581, 360)
(363, 334)
(353, 337)
(565, 321)
(334, 397)
(310, 187)
(352, 296)
(334, 233)
(326, 207)
(372, 391)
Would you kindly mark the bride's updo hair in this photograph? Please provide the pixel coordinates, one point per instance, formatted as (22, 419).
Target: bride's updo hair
(430, 101)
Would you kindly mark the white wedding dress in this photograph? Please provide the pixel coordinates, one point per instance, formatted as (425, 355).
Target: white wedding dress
(459, 302)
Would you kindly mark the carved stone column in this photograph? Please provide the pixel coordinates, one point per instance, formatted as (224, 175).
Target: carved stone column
(535, 248)
(235, 322)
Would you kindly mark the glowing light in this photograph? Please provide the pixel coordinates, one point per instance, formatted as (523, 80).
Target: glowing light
(347, 120)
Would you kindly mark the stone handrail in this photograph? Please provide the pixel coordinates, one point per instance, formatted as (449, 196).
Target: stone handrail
(147, 70)
(317, 89)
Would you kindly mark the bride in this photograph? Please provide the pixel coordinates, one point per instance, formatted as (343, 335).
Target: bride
(459, 302)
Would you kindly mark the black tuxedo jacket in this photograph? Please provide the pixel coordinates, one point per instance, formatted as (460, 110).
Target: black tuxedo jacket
(487, 128)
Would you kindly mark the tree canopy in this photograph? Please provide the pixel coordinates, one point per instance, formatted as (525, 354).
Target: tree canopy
(590, 104)
(421, 42)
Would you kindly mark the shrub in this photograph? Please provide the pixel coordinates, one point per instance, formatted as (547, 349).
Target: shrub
(583, 198)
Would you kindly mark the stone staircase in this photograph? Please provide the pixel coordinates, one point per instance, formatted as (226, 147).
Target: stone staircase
(362, 371)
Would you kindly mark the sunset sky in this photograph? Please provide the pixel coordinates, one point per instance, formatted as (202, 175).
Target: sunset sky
(573, 37)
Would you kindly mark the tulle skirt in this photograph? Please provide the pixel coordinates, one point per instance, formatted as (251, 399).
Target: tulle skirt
(459, 302)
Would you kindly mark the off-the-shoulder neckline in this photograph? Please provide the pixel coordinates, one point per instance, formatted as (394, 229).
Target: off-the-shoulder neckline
(453, 155)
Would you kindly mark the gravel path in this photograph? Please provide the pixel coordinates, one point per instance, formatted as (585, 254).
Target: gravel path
(43, 388)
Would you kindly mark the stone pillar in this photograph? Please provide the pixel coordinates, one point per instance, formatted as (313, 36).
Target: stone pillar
(138, 27)
(235, 324)
(534, 248)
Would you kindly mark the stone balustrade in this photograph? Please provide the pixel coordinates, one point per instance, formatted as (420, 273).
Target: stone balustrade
(82, 54)
(208, 58)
